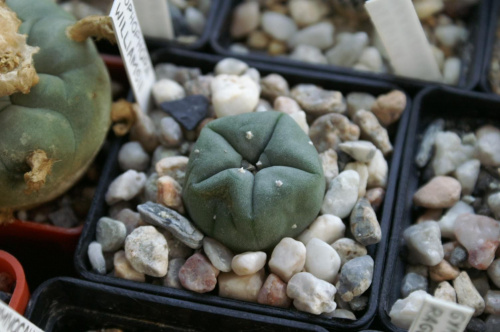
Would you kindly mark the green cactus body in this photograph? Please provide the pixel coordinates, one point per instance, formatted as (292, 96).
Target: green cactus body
(67, 114)
(253, 179)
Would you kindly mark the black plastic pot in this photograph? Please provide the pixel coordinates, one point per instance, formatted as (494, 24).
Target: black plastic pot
(433, 103)
(491, 39)
(294, 76)
(472, 55)
(66, 304)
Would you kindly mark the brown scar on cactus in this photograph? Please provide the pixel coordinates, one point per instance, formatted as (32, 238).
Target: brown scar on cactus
(17, 72)
(99, 27)
(41, 166)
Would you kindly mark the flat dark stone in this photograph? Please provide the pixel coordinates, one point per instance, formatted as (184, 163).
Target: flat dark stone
(188, 111)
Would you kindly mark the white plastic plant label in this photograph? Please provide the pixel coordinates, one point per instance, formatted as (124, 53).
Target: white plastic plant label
(154, 17)
(437, 315)
(11, 321)
(133, 50)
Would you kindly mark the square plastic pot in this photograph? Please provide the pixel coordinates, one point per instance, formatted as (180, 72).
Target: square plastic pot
(294, 76)
(491, 39)
(472, 54)
(66, 304)
(433, 103)
(21, 293)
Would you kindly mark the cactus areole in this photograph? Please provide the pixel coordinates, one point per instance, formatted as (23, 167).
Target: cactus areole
(55, 101)
(253, 179)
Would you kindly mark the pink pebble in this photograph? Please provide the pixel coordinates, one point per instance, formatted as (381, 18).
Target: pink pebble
(198, 274)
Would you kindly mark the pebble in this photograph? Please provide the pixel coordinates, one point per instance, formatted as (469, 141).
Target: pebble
(147, 251)
(362, 171)
(488, 147)
(348, 49)
(330, 167)
(322, 261)
(199, 86)
(476, 325)
(230, 66)
(319, 35)
(450, 35)
(286, 105)
(355, 277)
(176, 249)
(279, 26)
(273, 293)
(263, 106)
(110, 234)
(481, 282)
(232, 95)
(188, 111)
(427, 144)
(494, 204)
(362, 151)
(123, 269)
(248, 262)
(447, 221)
(167, 90)
(258, 39)
(404, 311)
(440, 192)
(371, 128)
(342, 314)
(359, 303)
(359, 101)
(176, 73)
(179, 22)
(308, 54)
(445, 291)
(277, 47)
(467, 294)
(364, 224)
(272, 86)
(195, 20)
(245, 288)
(480, 235)
(378, 171)
(467, 175)
(371, 60)
(246, 18)
(459, 257)
(424, 242)
(326, 227)
(348, 249)
(342, 195)
(253, 73)
(198, 274)
(238, 48)
(287, 258)
(311, 294)
(218, 254)
(133, 156)
(426, 9)
(376, 197)
(449, 153)
(150, 191)
(307, 12)
(64, 217)
(172, 279)
(494, 272)
(125, 187)
(329, 130)
(174, 166)
(451, 70)
(413, 282)
(492, 323)
(317, 101)
(492, 302)
(144, 131)
(443, 271)
(170, 132)
(389, 107)
(172, 221)
(96, 257)
(170, 193)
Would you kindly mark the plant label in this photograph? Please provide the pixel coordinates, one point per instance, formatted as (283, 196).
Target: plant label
(11, 321)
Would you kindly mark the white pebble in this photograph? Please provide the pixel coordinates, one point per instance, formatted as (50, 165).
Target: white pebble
(232, 95)
(248, 262)
(245, 288)
(125, 187)
(362, 151)
(167, 90)
(447, 221)
(280, 26)
(147, 251)
(311, 294)
(195, 20)
(319, 35)
(342, 195)
(288, 258)
(377, 171)
(96, 257)
(488, 145)
(467, 175)
(322, 260)
(404, 311)
(230, 66)
(218, 254)
(133, 156)
(451, 70)
(327, 227)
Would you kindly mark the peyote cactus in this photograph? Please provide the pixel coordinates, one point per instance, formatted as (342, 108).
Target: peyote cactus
(253, 179)
(54, 108)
